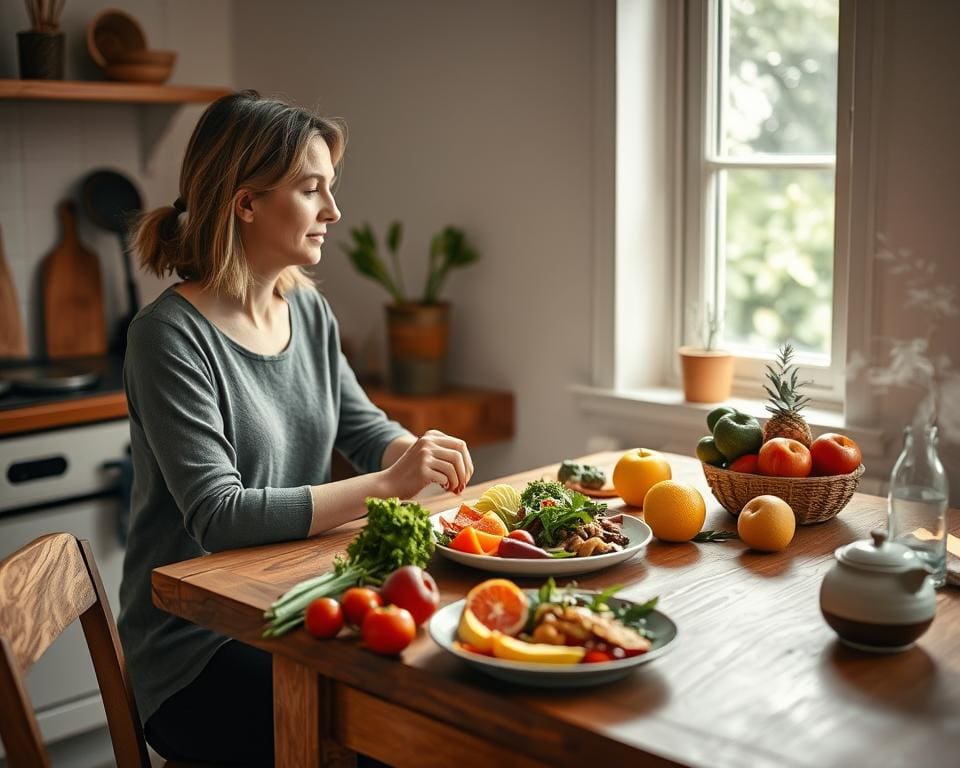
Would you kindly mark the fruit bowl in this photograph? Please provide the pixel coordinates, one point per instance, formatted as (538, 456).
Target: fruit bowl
(812, 499)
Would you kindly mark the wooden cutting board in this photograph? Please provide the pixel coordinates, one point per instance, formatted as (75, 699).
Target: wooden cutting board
(74, 323)
(13, 342)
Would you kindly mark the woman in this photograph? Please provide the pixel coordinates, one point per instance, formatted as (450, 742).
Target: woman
(238, 393)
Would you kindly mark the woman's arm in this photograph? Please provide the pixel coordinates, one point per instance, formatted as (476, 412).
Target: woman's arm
(409, 465)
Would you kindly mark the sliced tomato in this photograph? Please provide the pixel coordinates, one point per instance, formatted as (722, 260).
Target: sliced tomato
(465, 516)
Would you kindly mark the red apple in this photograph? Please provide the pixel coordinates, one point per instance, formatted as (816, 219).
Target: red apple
(835, 454)
(783, 457)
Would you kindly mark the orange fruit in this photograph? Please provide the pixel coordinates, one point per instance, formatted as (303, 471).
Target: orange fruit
(498, 604)
(467, 541)
(491, 523)
(637, 472)
(766, 523)
(674, 511)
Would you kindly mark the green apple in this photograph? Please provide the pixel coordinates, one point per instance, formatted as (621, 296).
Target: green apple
(737, 434)
(708, 452)
(718, 413)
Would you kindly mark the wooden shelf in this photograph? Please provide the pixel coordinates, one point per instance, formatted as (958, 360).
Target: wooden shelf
(116, 92)
(63, 413)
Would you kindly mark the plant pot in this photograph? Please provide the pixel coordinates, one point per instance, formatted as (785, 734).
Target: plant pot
(707, 376)
(41, 55)
(417, 339)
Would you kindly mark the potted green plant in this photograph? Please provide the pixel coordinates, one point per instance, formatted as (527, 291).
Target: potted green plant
(707, 371)
(40, 49)
(417, 330)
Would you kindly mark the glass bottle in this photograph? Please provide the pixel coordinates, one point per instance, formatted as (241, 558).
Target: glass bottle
(917, 502)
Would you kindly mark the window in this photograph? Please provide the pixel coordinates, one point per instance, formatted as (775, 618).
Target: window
(758, 214)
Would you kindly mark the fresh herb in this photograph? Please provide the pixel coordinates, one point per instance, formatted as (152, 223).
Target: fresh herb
(561, 515)
(396, 534)
(537, 491)
(586, 475)
(705, 536)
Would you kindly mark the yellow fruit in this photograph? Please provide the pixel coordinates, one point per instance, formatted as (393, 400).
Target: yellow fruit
(503, 499)
(674, 511)
(471, 630)
(767, 524)
(637, 472)
(505, 647)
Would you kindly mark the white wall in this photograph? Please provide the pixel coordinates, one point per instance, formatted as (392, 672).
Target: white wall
(46, 148)
(476, 114)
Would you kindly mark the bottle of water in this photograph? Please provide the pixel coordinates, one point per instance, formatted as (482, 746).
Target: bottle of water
(917, 509)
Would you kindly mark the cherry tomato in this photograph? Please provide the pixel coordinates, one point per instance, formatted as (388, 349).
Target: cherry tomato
(596, 657)
(388, 630)
(323, 617)
(412, 588)
(356, 601)
(522, 535)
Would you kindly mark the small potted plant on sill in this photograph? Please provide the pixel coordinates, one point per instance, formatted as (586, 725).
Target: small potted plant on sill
(40, 49)
(707, 371)
(417, 330)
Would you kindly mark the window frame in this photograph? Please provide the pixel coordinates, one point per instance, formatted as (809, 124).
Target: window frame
(697, 269)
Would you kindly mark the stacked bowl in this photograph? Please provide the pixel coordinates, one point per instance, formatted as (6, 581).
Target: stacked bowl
(117, 43)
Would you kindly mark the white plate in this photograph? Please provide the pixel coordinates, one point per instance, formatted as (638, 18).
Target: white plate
(637, 531)
(443, 630)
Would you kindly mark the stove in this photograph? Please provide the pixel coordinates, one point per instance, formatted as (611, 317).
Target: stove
(74, 479)
(25, 383)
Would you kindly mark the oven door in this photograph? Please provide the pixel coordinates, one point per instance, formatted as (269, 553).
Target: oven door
(62, 685)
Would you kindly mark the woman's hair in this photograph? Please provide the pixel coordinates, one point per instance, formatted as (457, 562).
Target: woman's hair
(242, 140)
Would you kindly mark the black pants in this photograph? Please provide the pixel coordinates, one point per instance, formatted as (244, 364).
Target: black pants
(225, 716)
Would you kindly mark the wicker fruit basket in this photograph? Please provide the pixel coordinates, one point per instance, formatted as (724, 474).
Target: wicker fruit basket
(812, 499)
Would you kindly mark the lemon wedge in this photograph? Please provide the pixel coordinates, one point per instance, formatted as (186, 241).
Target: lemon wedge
(505, 647)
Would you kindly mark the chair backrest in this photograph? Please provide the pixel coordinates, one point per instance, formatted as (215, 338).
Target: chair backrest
(45, 587)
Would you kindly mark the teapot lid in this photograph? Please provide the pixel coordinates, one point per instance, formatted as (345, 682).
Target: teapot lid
(878, 555)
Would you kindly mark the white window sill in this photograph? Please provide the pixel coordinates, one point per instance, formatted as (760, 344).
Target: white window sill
(663, 406)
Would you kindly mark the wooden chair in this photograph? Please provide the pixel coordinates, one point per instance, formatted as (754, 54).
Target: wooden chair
(45, 587)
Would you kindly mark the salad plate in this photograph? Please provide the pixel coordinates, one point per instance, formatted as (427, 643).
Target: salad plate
(637, 531)
(443, 630)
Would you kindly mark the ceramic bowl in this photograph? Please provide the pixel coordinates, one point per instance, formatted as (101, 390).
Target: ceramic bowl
(112, 33)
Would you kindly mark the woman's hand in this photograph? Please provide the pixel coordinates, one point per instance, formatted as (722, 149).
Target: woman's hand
(433, 458)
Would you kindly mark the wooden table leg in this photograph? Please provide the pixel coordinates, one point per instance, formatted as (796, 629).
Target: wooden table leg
(303, 714)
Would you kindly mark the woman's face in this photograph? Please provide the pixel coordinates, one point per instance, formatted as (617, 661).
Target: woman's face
(286, 227)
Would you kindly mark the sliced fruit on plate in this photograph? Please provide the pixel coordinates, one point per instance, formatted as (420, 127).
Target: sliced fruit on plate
(539, 653)
(503, 499)
(474, 542)
(473, 632)
(491, 523)
(466, 515)
(498, 604)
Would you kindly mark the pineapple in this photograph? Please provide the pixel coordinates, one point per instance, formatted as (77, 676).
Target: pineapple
(786, 402)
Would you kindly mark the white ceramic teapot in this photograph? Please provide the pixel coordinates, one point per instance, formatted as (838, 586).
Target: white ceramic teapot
(878, 595)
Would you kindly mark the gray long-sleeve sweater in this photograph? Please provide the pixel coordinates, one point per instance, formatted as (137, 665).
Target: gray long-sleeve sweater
(226, 444)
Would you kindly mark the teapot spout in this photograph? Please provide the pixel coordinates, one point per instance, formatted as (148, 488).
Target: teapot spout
(913, 579)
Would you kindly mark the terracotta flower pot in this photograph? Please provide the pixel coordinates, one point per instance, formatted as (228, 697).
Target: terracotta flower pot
(417, 337)
(707, 376)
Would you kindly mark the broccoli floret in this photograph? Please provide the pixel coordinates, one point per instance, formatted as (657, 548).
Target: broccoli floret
(569, 471)
(587, 475)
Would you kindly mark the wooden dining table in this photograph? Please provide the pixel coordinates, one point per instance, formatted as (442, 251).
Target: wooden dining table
(755, 676)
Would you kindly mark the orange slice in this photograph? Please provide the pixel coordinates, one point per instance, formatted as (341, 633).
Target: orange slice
(498, 604)
(489, 542)
(467, 541)
(491, 523)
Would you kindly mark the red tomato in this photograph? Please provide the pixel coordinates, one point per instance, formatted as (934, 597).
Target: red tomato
(783, 457)
(356, 601)
(521, 535)
(596, 657)
(412, 588)
(388, 630)
(834, 454)
(323, 617)
(746, 463)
